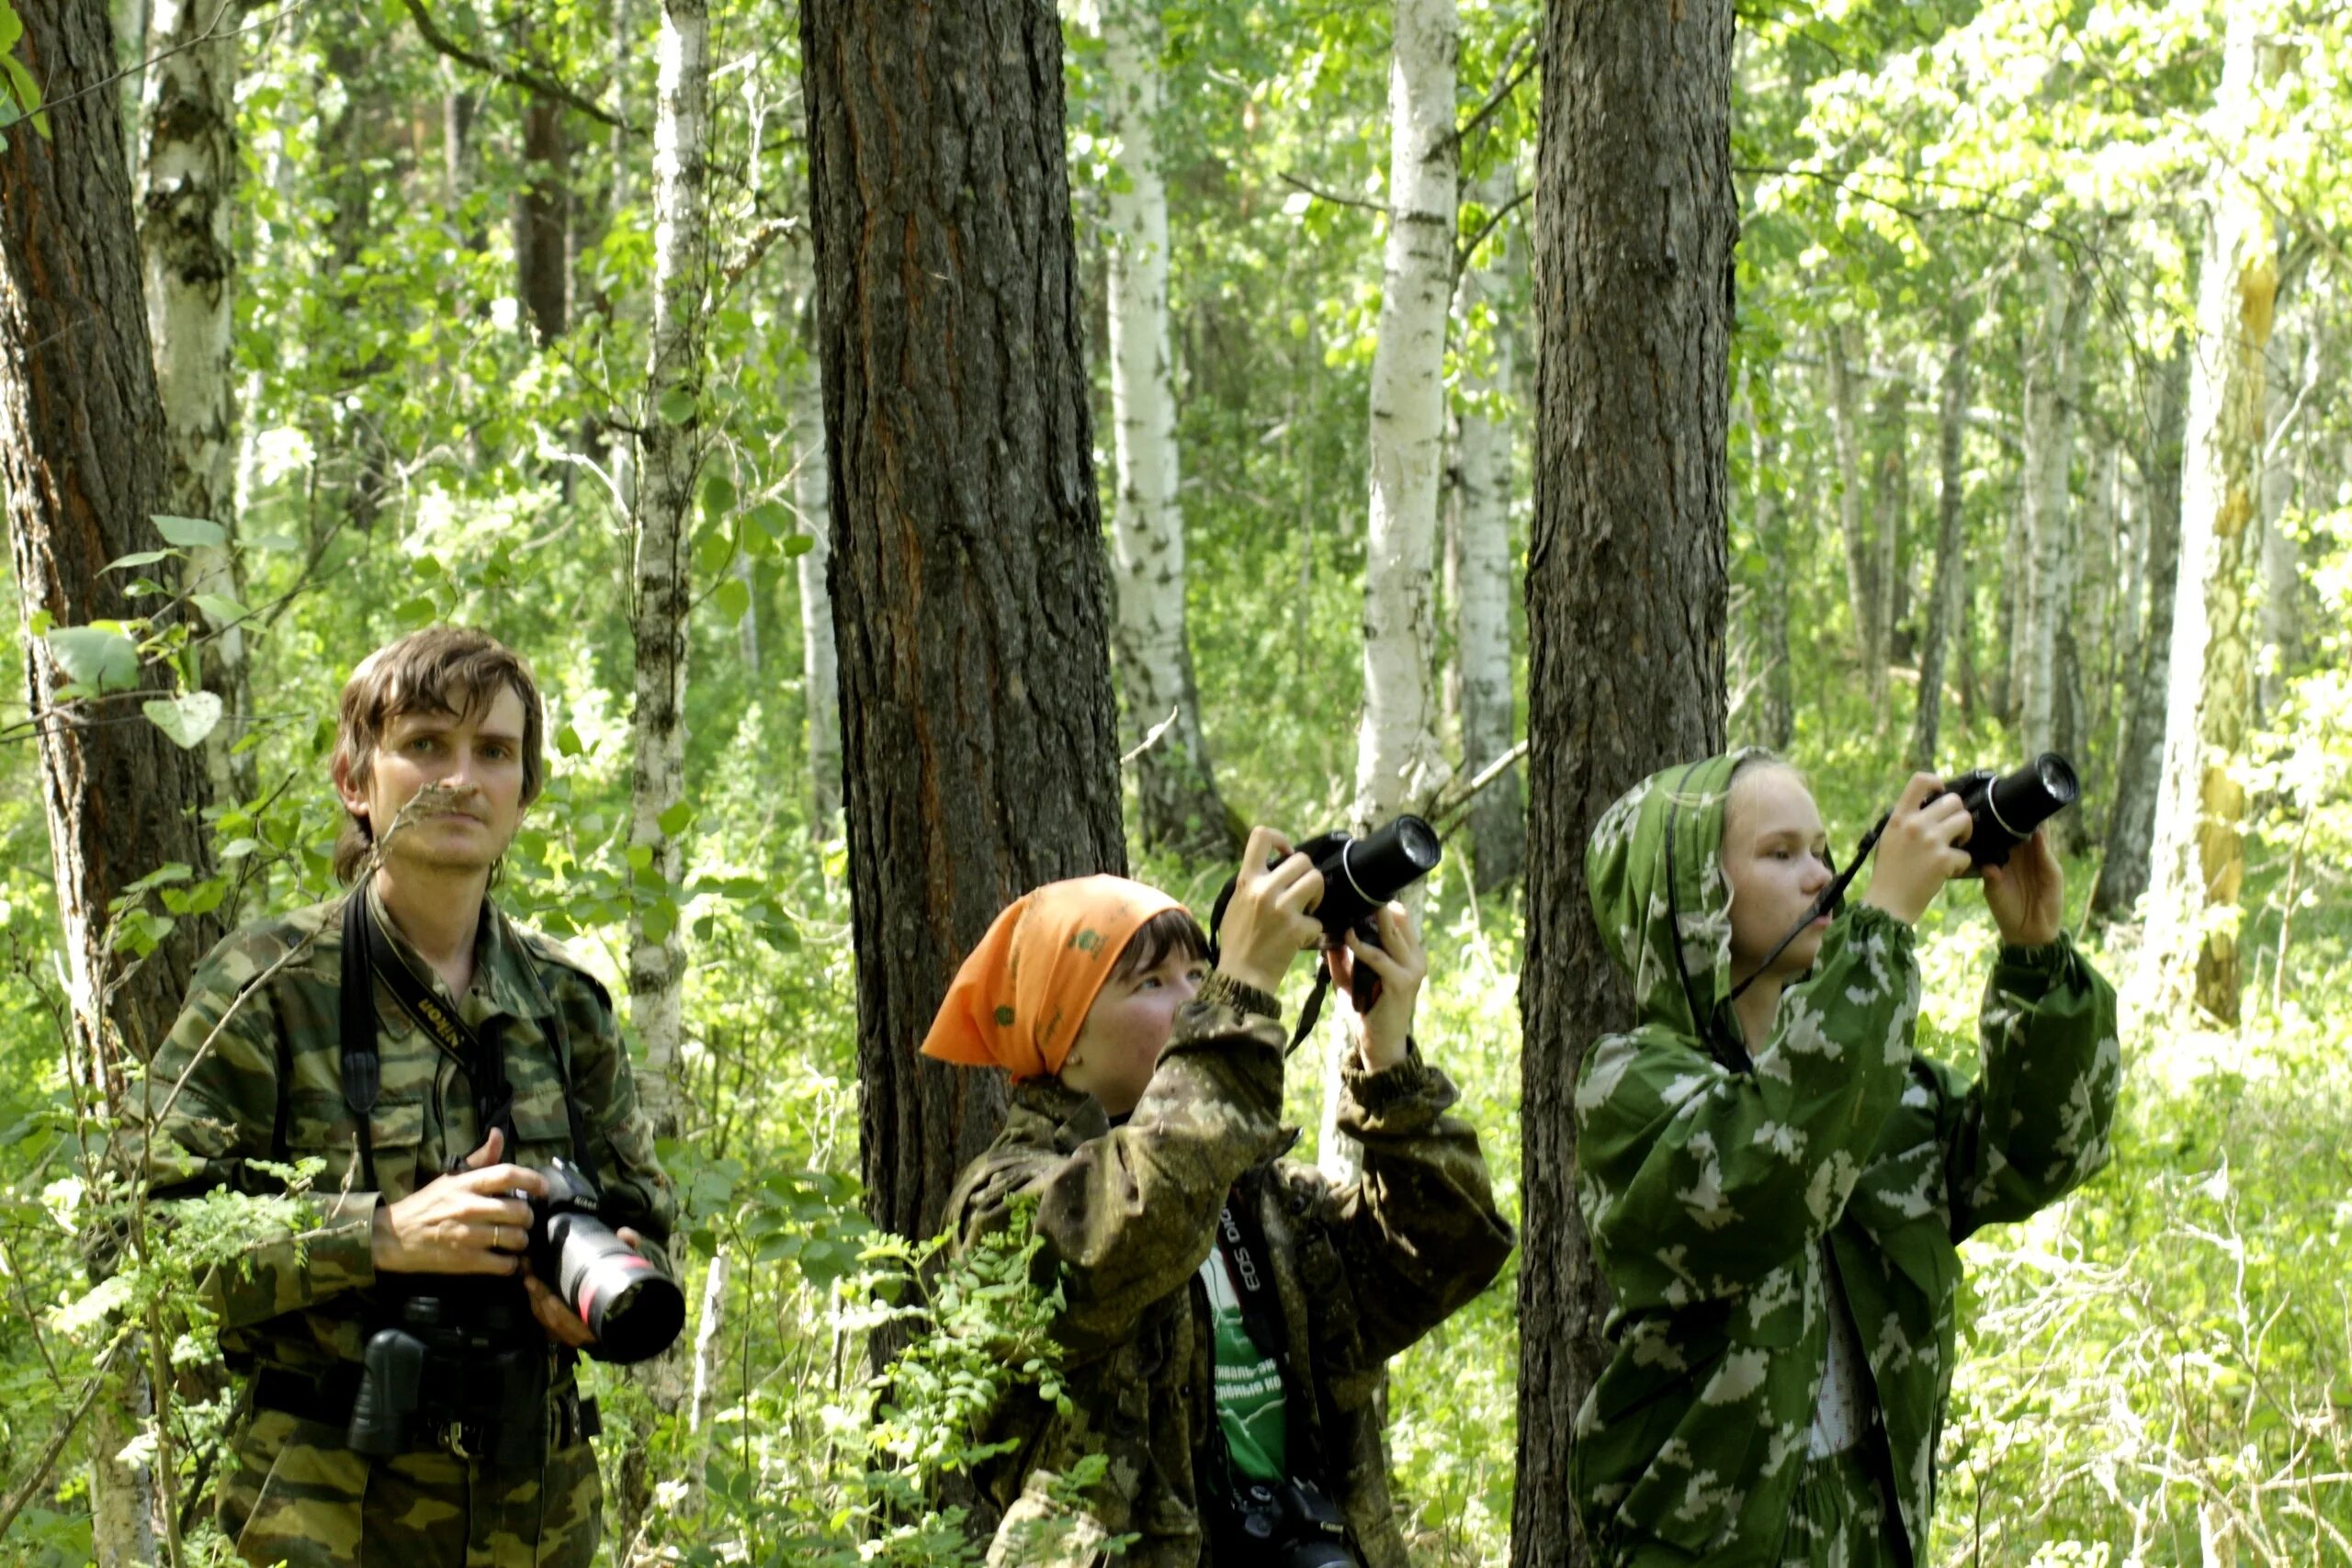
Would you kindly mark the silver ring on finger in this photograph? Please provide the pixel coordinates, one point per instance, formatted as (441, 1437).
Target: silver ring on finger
(498, 1237)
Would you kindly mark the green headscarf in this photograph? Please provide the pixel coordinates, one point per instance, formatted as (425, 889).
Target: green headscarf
(1678, 809)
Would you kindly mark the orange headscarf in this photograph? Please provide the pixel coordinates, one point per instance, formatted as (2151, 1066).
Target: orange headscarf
(1019, 1000)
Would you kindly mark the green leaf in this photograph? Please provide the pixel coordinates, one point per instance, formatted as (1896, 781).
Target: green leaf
(138, 557)
(718, 496)
(188, 720)
(798, 544)
(772, 518)
(96, 657)
(219, 608)
(673, 821)
(190, 533)
(734, 598)
(677, 405)
(567, 742)
(713, 551)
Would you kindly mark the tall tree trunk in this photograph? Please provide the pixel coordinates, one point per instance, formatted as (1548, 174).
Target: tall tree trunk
(1175, 786)
(819, 670)
(1483, 573)
(2294, 379)
(82, 473)
(672, 461)
(969, 594)
(1846, 429)
(2139, 769)
(2199, 860)
(1889, 507)
(187, 177)
(1776, 721)
(1397, 756)
(1944, 600)
(2051, 392)
(542, 212)
(1625, 593)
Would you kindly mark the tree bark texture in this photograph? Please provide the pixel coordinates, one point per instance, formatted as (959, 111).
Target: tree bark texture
(2051, 390)
(2130, 824)
(1175, 786)
(970, 594)
(2199, 860)
(1944, 599)
(819, 669)
(542, 214)
(1396, 755)
(188, 176)
(1497, 820)
(670, 463)
(1625, 592)
(1845, 433)
(81, 471)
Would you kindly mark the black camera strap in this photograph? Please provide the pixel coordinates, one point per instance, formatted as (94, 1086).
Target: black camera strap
(1241, 1234)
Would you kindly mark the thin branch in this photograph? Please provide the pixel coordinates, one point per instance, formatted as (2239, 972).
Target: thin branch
(1504, 88)
(1446, 813)
(209, 34)
(48, 1459)
(756, 247)
(521, 76)
(1494, 220)
(1332, 196)
(1151, 736)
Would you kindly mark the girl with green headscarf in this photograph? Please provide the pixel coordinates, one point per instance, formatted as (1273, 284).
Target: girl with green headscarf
(1775, 1181)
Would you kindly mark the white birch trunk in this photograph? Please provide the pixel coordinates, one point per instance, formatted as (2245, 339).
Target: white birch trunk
(2291, 389)
(2049, 464)
(188, 174)
(1397, 763)
(1483, 573)
(820, 674)
(1176, 789)
(1846, 431)
(672, 456)
(2199, 859)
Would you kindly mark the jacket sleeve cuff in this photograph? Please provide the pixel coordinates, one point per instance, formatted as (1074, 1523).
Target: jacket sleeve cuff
(1406, 1098)
(340, 1253)
(1222, 991)
(2034, 970)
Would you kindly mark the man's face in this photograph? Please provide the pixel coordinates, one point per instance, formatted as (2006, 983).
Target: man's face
(1776, 859)
(477, 756)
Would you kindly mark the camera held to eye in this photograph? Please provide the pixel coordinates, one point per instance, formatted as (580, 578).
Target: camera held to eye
(2004, 809)
(1361, 876)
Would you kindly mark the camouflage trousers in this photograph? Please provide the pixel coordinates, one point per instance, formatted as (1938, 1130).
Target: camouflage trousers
(291, 1492)
(1839, 1517)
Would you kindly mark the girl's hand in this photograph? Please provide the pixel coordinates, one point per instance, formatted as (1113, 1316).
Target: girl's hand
(1268, 924)
(1402, 963)
(1918, 853)
(2027, 896)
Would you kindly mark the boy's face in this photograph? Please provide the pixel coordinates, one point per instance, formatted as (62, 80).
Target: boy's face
(1119, 1044)
(477, 755)
(1776, 859)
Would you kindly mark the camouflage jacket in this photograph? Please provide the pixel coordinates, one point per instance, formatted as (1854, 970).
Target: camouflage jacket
(1128, 1212)
(270, 1086)
(1709, 1190)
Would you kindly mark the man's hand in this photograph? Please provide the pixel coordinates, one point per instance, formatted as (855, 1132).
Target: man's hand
(466, 1222)
(1920, 850)
(2027, 896)
(555, 1314)
(1267, 924)
(1383, 1034)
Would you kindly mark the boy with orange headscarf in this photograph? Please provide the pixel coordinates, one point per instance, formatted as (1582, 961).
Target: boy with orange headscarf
(1228, 1314)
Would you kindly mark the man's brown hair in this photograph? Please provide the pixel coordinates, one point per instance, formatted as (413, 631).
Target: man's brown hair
(441, 670)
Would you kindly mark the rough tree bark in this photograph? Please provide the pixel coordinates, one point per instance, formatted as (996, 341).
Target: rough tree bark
(1625, 592)
(970, 600)
(2130, 824)
(1944, 599)
(81, 471)
(1175, 786)
(2199, 859)
(542, 211)
(1497, 820)
(188, 174)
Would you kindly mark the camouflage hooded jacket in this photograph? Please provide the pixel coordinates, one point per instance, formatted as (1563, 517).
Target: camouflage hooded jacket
(1709, 1190)
(1129, 1213)
(267, 1084)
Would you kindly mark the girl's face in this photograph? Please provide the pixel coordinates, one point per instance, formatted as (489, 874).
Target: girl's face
(1776, 858)
(1119, 1044)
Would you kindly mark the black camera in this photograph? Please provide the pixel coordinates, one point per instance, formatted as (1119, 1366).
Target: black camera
(465, 1353)
(634, 1310)
(2004, 808)
(1361, 875)
(1283, 1524)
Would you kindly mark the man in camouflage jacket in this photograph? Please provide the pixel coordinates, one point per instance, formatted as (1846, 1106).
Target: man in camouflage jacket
(251, 1071)
(1732, 1207)
(1128, 1212)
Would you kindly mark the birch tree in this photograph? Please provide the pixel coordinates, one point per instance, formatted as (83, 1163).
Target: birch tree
(2052, 391)
(1846, 431)
(669, 466)
(1176, 788)
(1483, 575)
(1945, 595)
(2199, 860)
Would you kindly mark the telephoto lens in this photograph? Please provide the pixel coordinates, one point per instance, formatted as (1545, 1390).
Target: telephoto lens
(1361, 875)
(2004, 808)
(634, 1310)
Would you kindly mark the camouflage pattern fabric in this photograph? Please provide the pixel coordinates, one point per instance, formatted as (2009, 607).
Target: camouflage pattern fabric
(259, 1043)
(1709, 1192)
(1128, 1212)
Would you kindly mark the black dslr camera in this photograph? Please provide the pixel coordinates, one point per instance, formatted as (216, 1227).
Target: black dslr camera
(1283, 1524)
(634, 1309)
(1360, 875)
(2004, 808)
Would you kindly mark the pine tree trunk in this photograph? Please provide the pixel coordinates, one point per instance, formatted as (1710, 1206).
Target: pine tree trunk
(2199, 859)
(82, 472)
(969, 590)
(1625, 593)
(2130, 824)
(670, 463)
(1944, 599)
(187, 176)
(1846, 429)
(1483, 575)
(1396, 755)
(1175, 785)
